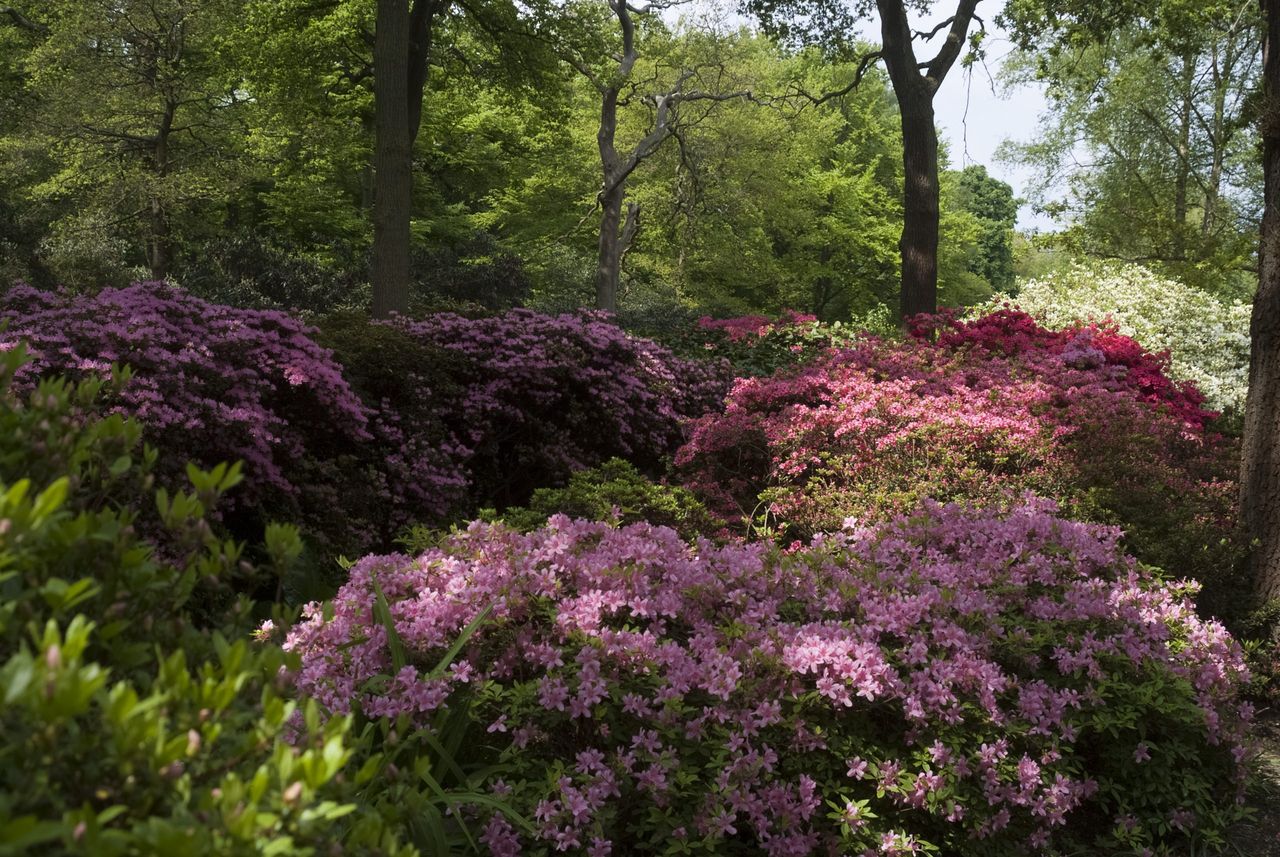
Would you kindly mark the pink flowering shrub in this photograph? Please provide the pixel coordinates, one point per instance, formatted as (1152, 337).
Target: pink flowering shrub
(210, 383)
(986, 413)
(959, 681)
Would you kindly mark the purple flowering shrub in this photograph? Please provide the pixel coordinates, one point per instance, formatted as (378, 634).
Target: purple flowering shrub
(411, 421)
(542, 396)
(964, 681)
(210, 383)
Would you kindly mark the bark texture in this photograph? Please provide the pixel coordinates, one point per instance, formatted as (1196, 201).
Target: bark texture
(914, 85)
(401, 52)
(1260, 468)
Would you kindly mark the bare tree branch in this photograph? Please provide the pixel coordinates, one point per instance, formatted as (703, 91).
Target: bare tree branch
(23, 21)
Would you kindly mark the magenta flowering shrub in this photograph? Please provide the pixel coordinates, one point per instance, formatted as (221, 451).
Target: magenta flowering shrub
(211, 383)
(984, 414)
(542, 396)
(1012, 333)
(959, 681)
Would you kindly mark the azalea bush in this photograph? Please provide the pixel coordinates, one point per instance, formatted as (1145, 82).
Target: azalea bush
(137, 718)
(141, 727)
(542, 396)
(1206, 337)
(982, 412)
(211, 383)
(957, 681)
(409, 421)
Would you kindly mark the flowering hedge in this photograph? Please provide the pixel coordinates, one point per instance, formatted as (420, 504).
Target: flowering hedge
(989, 410)
(211, 383)
(953, 680)
(1207, 337)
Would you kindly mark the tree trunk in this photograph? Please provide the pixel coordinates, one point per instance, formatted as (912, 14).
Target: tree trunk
(914, 91)
(392, 160)
(160, 253)
(1183, 176)
(920, 210)
(609, 267)
(1260, 468)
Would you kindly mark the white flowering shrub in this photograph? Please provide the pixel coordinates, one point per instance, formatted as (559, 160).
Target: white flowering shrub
(1207, 338)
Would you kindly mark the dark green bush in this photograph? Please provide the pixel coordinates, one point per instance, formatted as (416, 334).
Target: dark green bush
(616, 492)
(137, 716)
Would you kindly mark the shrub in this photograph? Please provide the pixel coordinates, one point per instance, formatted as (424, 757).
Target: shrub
(1206, 337)
(954, 680)
(211, 383)
(757, 345)
(1119, 361)
(616, 492)
(250, 269)
(544, 396)
(147, 723)
(990, 410)
(141, 731)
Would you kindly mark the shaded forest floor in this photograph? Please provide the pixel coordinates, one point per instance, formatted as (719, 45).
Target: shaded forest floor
(1260, 837)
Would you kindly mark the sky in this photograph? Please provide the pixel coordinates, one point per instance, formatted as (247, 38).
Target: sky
(975, 114)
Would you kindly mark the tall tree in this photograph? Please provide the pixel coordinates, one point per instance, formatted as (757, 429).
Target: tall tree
(401, 52)
(129, 115)
(1066, 22)
(615, 83)
(991, 201)
(1143, 152)
(1260, 470)
(915, 83)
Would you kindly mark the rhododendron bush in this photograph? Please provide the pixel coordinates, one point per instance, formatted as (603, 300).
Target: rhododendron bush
(421, 421)
(954, 680)
(547, 395)
(211, 383)
(979, 411)
(1207, 337)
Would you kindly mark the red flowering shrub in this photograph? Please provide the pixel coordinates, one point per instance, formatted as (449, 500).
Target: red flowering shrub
(989, 411)
(1014, 333)
(959, 681)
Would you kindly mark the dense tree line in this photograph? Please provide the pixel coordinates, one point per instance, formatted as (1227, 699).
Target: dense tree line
(232, 146)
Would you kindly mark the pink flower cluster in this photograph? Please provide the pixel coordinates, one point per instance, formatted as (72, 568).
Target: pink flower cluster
(989, 411)
(952, 679)
(211, 383)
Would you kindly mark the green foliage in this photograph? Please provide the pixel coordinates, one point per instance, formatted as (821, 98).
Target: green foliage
(615, 491)
(1150, 106)
(991, 201)
(137, 718)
